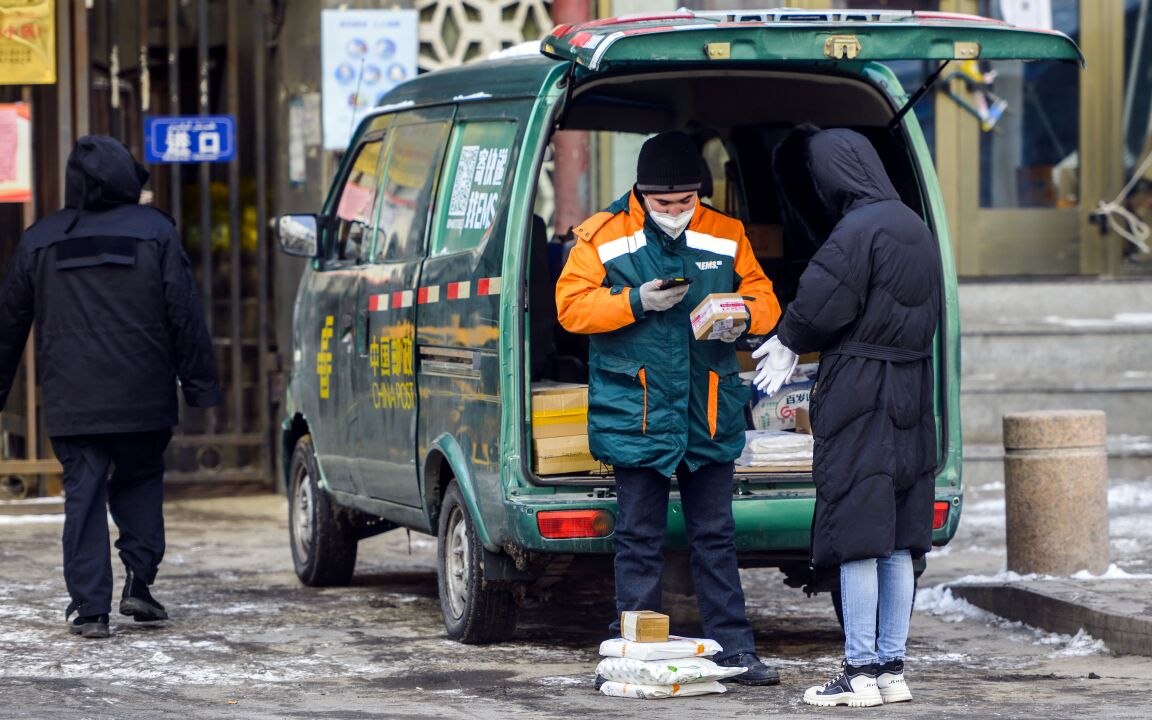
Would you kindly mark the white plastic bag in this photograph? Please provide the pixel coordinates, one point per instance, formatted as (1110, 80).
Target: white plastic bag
(664, 672)
(656, 692)
(676, 648)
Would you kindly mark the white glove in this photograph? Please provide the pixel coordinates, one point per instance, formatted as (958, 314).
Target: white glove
(776, 366)
(733, 334)
(653, 299)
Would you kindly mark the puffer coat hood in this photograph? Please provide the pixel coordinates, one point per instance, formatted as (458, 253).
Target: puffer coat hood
(849, 173)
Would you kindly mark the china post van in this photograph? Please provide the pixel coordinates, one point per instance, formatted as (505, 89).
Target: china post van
(430, 375)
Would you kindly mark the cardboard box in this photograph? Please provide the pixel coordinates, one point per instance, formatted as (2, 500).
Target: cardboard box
(552, 397)
(644, 626)
(716, 313)
(568, 445)
(767, 241)
(559, 409)
(566, 454)
(778, 411)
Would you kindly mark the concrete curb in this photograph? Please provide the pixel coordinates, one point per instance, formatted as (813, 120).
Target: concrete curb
(1118, 612)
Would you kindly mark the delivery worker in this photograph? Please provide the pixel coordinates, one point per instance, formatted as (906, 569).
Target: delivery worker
(118, 322)
(869, 302)
(660, 401)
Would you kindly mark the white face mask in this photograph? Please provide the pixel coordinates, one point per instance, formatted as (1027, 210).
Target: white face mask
(672, 224)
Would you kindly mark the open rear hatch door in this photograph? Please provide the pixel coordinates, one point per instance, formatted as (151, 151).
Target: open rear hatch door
(739, 37)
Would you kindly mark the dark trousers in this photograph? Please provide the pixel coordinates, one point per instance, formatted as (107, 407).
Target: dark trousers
(706, 498)
(134, 494)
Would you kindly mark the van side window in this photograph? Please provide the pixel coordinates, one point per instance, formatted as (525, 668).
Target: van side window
(476, 183)
(406, 193)
(353, 235)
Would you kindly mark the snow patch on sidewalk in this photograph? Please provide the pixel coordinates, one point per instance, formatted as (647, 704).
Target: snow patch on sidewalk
(939, 602)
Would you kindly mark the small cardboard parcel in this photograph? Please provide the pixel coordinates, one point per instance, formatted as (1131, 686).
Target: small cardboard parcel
(717, 313)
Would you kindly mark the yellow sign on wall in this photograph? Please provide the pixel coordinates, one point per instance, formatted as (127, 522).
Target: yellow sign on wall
(27, 42)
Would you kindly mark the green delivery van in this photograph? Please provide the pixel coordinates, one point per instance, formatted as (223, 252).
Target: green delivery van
(426, 316)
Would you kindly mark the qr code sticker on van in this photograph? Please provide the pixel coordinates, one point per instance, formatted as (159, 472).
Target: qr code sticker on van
(464, 169)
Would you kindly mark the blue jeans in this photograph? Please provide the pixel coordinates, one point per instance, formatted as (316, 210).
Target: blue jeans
(641, 525)
(876, 588)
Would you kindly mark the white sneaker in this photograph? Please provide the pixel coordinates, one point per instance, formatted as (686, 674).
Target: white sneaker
(854, 687)
(890, 681)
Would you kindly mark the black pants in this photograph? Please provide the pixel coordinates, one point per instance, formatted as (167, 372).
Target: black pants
(706, 499)
(134, 494)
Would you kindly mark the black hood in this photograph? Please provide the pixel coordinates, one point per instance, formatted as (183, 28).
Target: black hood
(847, 171)
(102, 174)
(821, 175)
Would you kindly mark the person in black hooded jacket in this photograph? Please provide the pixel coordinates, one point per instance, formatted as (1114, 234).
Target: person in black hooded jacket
(869, 302)
(118, 325)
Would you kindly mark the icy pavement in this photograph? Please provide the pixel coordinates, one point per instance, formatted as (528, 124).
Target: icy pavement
(246, 640)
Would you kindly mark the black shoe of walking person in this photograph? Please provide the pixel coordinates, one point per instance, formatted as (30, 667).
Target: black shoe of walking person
(138, 602)
(89, 626)
(755, 672)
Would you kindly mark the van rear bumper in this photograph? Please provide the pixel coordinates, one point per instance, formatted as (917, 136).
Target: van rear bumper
(767, 524)
(774, 525)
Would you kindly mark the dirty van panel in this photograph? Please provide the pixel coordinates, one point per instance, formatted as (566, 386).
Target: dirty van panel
(382, 405)
(324, 323)
(458, 333)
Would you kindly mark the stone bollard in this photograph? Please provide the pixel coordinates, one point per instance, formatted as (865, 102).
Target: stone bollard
(1056, 492)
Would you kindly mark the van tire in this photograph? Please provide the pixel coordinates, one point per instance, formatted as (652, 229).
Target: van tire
(475, 610)
(322, 538)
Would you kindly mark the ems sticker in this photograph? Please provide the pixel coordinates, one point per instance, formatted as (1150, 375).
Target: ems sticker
(709, 264)
(479, 175)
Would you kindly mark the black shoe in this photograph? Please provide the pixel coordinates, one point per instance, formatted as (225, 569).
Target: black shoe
(755, 673)
(89, 626)
(138, 602)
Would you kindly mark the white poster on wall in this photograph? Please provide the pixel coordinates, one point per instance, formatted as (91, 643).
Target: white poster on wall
(1035, 14)
(15, 153)
(363, 55)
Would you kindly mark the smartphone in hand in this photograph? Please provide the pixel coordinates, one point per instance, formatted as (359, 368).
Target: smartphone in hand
(674, 281)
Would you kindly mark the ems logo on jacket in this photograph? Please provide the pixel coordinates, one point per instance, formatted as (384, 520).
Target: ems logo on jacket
(710, 264)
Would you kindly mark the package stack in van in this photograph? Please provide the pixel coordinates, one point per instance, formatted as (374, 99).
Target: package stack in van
(777, 449)
(647, 663)
(560, 429)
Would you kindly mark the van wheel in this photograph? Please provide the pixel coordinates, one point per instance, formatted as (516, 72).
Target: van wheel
(475, 611)
(322, 538)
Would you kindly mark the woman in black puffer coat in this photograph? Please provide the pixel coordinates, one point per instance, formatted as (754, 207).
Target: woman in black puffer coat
(869, 302)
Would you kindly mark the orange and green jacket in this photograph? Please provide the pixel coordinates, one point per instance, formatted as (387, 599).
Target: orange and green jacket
(656, 395)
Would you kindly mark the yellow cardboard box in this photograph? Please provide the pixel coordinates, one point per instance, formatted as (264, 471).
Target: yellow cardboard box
(566, 454)
(644, 626)
(716, 313)
(559, 409)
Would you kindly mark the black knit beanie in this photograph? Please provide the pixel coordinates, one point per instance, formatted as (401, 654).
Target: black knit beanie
(668, 163)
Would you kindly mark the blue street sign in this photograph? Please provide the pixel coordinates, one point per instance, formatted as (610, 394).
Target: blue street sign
(189, 138)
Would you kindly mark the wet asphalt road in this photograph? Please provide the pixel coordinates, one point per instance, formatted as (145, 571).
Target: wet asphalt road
(246, 640)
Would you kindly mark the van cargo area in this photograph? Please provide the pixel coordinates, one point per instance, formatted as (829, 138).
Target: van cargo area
(736, 139)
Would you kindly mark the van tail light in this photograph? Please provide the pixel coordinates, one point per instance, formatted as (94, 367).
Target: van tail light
(940, 514)
(563, 524)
